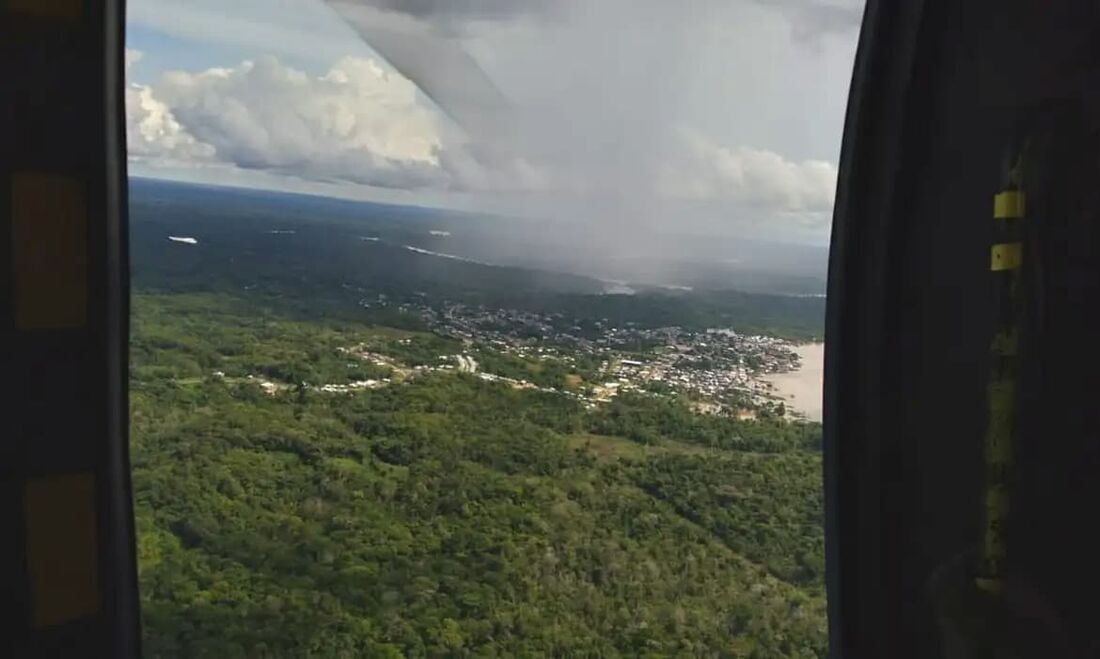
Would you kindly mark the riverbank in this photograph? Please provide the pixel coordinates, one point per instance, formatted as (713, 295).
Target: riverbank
(802, 390)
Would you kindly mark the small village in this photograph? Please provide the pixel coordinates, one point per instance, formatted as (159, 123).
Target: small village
(716, 367)
(721, 371)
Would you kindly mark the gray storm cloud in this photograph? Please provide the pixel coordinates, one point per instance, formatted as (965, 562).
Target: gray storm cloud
(446, 11)
(611, 100)
(812, 20)
(589, 111)
(437, 63)
(811, 15)
(605, 122)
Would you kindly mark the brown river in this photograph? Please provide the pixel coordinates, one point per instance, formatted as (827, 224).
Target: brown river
(801, 390)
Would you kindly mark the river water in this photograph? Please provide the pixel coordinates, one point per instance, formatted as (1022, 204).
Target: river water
(801, 390)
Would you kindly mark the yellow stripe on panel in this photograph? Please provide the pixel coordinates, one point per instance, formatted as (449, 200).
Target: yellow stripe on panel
(69, 10)
(49, 245)
(61, 548)
(1006, 256)
(1008, 204)
(1005, 343)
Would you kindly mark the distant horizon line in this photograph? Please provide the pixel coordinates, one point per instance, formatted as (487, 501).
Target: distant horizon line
(398, 204)
(294, 193)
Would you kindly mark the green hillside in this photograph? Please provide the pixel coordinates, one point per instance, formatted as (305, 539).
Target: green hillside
(432, 513)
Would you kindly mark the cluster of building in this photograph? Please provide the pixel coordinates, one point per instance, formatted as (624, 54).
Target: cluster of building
(722, 370)
(353, 386)
(712, 364)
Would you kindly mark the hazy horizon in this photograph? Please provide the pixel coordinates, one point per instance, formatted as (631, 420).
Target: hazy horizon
(691, 260)
(637, 118)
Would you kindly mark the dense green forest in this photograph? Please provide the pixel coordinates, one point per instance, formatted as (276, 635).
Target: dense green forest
(311, 481)
(438, 514)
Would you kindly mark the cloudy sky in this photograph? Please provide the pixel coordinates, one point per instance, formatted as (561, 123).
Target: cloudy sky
(702, 116)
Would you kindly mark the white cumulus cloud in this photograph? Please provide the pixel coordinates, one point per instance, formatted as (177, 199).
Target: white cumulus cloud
(133, 56)
(746, 176)
(152, 132)
(363, 123)
(357, 123)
